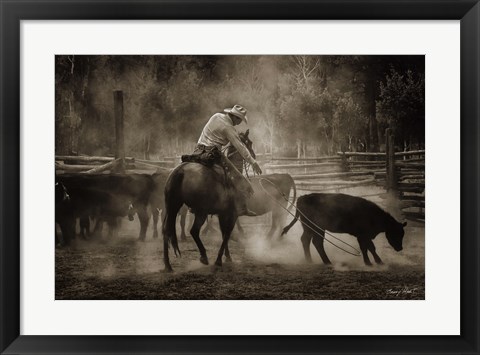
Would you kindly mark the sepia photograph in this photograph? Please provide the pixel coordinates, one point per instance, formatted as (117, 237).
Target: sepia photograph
(239, 177)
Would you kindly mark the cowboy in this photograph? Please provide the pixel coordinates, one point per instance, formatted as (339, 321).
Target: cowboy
(217, 133)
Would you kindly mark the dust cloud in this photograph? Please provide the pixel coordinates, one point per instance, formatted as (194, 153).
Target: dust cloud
(125, 255)
(289, 250)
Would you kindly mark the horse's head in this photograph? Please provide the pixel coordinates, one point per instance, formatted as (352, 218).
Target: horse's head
(234, 156)
(247, 142)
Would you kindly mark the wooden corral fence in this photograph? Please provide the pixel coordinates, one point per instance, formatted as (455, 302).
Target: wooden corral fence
(402, 174)
(398, 173)
(91, 164)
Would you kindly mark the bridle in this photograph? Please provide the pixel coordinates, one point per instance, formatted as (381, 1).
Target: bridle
(245, 165)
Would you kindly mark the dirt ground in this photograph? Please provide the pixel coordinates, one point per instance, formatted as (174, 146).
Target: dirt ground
(124, 268)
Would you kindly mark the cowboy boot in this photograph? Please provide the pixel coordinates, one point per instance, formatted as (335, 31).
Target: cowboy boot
(242, 208)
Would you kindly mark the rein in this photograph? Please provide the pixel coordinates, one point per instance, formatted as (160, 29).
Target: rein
(357, 252)
(246, 167)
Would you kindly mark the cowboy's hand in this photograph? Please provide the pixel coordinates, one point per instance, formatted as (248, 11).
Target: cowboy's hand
(256, 169)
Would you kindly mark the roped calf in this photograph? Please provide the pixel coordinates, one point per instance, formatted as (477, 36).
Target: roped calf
(340, 213)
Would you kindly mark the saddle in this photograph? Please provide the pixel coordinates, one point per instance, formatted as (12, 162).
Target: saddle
(204, 155)
(209, 156)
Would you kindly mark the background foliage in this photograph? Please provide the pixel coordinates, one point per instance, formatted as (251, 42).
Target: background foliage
(297, 105)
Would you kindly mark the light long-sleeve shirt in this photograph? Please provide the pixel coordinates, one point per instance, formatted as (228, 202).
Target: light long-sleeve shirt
(219, 131)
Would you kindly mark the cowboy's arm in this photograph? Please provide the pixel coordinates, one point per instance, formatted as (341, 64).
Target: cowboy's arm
(234, 139)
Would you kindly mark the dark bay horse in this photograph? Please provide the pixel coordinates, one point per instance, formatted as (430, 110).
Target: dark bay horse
(270, 192)
(269, 196)
(205, 191)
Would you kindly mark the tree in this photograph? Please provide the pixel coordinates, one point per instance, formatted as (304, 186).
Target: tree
(402, 105)
(350, 120)
(72, 75)
(296, 104)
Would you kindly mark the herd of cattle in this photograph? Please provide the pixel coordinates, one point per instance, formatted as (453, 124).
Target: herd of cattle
(107, 198)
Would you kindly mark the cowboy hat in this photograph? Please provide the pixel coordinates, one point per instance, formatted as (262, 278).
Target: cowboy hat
(238, 111)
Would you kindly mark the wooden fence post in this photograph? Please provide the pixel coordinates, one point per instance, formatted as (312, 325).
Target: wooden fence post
(345, 166)
(391, 180)
(119, 137)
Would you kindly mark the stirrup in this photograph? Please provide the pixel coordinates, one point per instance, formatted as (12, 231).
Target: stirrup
(247, 212)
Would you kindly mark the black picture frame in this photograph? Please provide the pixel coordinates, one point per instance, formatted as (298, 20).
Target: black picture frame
(12, 12)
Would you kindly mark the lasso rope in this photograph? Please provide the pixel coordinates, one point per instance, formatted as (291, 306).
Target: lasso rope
(357, 252)
(246, 167)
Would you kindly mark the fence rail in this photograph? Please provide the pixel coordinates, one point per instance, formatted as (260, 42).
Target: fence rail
(401, 173)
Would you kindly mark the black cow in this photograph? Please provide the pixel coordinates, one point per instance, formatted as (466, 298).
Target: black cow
(64, 214)
(89, 201)
(110, 196)
(342, 213)
(102, 206)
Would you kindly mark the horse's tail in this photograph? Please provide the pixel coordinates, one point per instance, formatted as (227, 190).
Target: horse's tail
(295, 219)
(294, 194)
(173, 204)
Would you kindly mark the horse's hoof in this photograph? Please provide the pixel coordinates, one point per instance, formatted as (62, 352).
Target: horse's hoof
(168, 269)
(218, 263)
(228, 260)
(141, 239)
(204, 260)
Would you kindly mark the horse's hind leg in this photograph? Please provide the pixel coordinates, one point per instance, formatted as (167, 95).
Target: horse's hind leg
(183, 218)
(278, 220)
(227, 222)
(195, 231)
